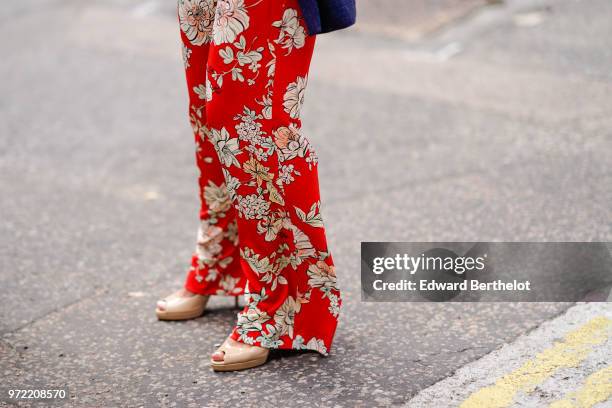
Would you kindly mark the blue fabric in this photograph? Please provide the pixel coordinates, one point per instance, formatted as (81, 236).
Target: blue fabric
(324, 16)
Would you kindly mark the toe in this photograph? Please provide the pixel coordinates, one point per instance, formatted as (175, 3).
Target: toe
(161, 304)
(218, 356)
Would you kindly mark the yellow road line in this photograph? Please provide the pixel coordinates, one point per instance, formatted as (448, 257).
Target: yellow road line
(574, 348)
(597, 388)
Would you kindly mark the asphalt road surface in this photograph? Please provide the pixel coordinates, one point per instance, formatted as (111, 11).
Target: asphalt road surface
(496, 127)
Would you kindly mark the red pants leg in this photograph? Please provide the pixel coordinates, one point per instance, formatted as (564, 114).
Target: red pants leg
(215, 267)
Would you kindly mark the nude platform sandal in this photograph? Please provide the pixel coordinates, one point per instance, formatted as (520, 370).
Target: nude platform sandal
(239, 356)
(181, 307)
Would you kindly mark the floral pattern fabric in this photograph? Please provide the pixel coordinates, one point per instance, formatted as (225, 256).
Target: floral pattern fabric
(261, 231)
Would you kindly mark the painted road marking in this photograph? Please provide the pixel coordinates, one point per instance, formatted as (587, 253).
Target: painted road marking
(597, 388)
(575, 347)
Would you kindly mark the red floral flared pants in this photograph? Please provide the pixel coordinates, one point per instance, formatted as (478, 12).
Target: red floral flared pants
(261, 232)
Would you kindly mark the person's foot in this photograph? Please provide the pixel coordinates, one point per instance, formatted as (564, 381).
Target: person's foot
(181, 305)
(234, 355)
(161, 304)
(218, 355)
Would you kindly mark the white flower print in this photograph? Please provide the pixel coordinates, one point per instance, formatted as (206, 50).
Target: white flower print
(271, 65)
(208, 242)
(196, 272)
(204, 91)
(322, 276)
(285, 174)
(268, 271)
(298, 343)
(260, 266)
(313, 218)
(231, 19)
(200, 90)
(292, 34)
(311, 157)
(227, 147)
(232, 232)
(334, 304)
(303, 246)
(209, 90)
(228, 284)
(290, 142)
(243, 57)
(249, 129)
(259, 173)
(186, 55)
(294, 97)
(316, 345)
(232, 184)
(270, 227)
(285, 316)
(253, 206)
(271, 338)
(196, 18)
(313, 344)
(250, 59)
(251, 320)
(212, 275)
(266, 110)
(217, 198)
(259, 153)
(253, 298)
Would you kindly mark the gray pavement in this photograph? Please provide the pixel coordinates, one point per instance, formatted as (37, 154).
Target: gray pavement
(563, 363)
(496, 128)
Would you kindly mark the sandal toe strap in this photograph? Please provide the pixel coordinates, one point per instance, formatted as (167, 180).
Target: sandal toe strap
(240, 353)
